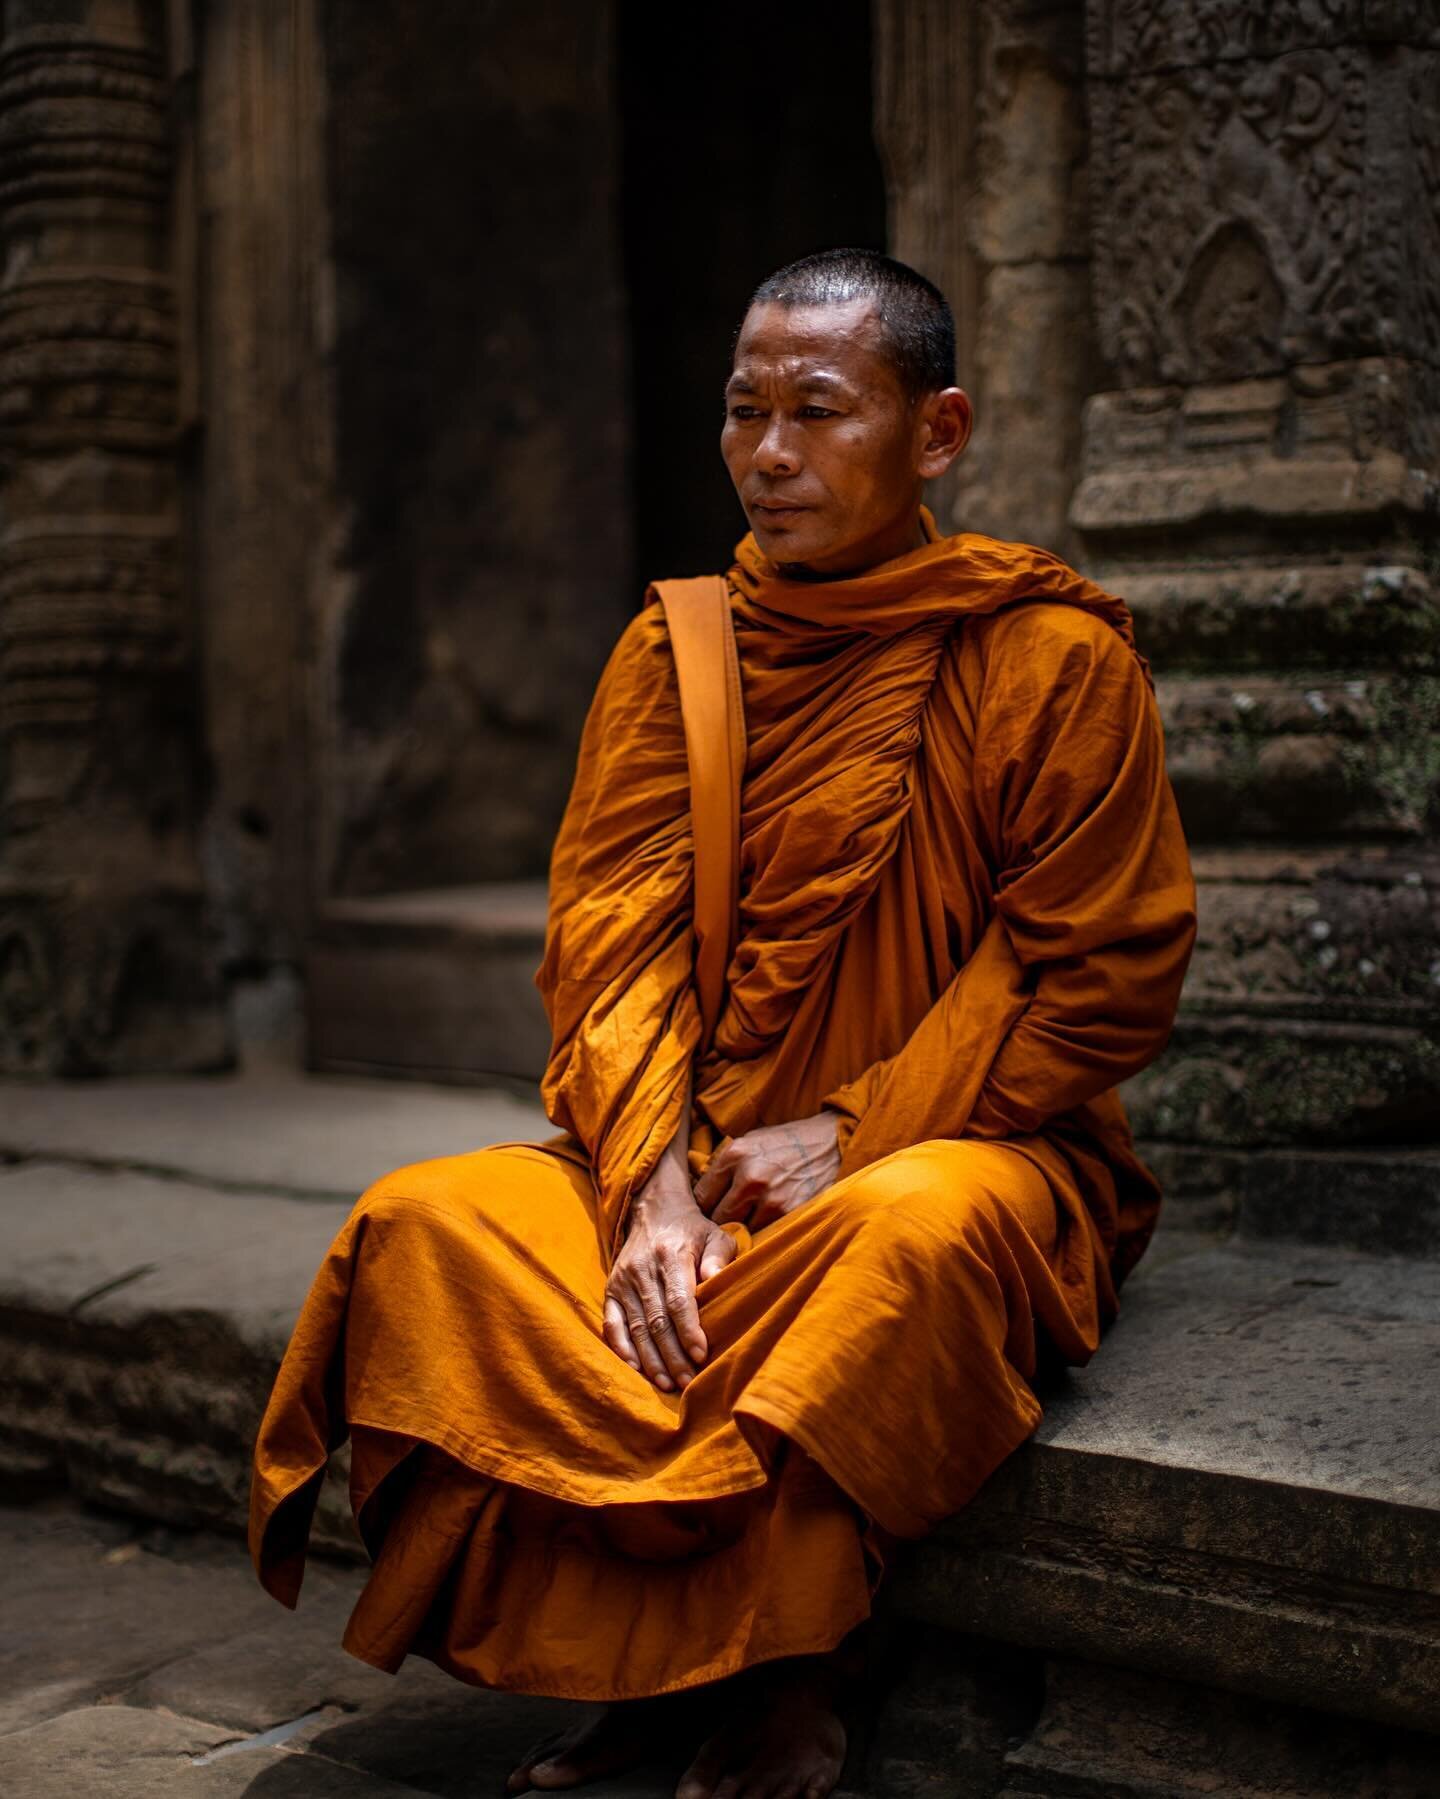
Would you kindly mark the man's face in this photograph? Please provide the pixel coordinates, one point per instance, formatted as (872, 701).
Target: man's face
(828, 453)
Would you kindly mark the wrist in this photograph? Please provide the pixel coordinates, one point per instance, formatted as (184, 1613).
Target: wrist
(667, 1190)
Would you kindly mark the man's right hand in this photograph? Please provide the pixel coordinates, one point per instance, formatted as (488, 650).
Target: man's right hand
(651, 1318)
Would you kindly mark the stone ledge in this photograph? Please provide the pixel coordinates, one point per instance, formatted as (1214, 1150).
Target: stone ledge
(268, 1129)
(1240, 1490)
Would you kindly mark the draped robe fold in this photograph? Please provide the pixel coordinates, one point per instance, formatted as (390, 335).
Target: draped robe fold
(965, 914)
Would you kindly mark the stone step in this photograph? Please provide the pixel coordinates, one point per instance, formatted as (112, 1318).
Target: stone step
(435, 985)
(269, 1128)
(1240, 1491)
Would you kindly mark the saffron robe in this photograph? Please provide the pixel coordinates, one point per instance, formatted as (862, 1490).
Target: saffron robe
(965, 914)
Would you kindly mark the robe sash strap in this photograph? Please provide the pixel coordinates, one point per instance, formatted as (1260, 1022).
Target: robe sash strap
(702, 638)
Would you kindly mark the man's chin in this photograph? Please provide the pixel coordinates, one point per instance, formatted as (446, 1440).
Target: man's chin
(794, 537)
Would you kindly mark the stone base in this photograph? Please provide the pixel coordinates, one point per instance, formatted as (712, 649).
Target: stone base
(436, 985)
(1218, 1552)
(1104, 1734)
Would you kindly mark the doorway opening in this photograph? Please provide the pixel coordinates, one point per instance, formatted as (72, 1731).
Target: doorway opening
(747, 140)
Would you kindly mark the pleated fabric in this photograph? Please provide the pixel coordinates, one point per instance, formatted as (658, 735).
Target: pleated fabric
(966, 910)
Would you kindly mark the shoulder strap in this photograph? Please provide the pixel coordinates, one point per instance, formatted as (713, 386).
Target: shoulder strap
(702, 638)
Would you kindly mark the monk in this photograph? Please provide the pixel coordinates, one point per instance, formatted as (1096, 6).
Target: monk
(638, 1414)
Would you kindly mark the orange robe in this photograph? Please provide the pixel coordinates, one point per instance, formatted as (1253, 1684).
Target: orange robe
(966, 910)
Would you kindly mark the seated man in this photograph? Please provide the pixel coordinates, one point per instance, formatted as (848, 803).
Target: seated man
(647, 1405)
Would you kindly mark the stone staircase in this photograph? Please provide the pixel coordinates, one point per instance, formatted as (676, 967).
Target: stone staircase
(1215, 1569)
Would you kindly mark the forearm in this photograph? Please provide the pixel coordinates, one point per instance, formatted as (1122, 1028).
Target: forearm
(1005, 1050)
(670, 1180)
(1088, 1029)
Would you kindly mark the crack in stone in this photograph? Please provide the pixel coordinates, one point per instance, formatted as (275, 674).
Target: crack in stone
(262, 1739)
(116, 1281)
(13, 1157)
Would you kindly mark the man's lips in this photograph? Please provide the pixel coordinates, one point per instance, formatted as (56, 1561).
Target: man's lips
(777, 506)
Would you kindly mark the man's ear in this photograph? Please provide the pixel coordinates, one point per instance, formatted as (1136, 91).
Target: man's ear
(950, 418)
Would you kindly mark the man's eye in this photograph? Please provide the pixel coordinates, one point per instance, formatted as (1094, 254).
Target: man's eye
(817, 412)
(744, 412)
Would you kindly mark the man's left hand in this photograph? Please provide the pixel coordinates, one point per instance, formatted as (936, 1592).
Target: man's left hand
(757, 1178)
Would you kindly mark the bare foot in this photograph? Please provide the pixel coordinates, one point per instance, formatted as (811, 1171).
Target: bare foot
(785, 1740)
(618, 1737)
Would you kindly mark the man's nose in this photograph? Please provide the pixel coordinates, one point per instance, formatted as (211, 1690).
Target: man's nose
(777, 452)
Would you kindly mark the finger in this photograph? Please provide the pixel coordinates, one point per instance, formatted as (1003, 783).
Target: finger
(663, 1335)
(769, 1211)
(739, 1202)
(617, 1334)
(720, 1252)
(716, 1178)
(679, 1279)
(639, 1306)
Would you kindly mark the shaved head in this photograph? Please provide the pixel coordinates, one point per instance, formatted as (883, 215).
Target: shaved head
(916, 324)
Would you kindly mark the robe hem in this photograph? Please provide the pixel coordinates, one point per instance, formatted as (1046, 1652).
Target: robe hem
(720, 1669)
(742, 1475)
(745, 1477)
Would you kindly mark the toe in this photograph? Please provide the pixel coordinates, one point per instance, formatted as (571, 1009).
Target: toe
(519, 1779)
(562, 1771)
(701, 1778)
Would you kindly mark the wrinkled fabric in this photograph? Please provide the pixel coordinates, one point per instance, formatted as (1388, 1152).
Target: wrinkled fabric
(965, 914)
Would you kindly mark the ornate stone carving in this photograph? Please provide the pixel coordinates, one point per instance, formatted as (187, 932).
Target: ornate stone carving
(1261, 479)
(104, 954)
(1126, 35)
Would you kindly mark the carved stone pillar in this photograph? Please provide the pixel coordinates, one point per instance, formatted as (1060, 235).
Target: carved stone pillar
(1260, 482)
(104, 958)
(980, 121)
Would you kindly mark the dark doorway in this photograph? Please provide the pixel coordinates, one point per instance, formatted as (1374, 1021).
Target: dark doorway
(746, 141)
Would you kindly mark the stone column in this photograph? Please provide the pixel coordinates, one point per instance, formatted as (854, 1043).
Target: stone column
(980, 121)
(262, 323)
(1259, 480)
(105, 963)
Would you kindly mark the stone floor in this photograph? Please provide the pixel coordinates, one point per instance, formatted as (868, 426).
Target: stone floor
(138, 1662)
(1237, 1502)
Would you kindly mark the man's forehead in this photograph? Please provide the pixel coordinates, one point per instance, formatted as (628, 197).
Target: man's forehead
(835, 345)
(808, 374)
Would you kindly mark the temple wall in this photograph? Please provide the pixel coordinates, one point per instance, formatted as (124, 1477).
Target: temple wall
(1259, 478)
(320, 487)
(980, 119)
(1199, 250)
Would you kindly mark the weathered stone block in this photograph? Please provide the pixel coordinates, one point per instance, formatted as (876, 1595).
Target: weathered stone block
(1239, 1490)
(1201, 611)
(127, 1754)
(439, 985)
(1249, 1082)
(1318, 933)
(1105, 1734)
